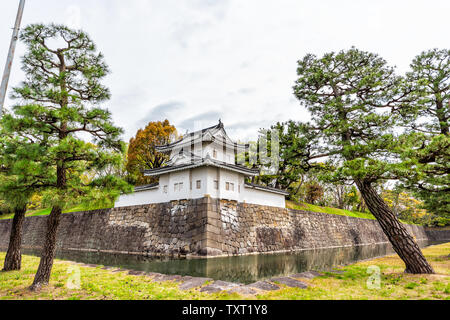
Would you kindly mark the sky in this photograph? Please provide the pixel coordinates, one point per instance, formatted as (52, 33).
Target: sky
(194, 62)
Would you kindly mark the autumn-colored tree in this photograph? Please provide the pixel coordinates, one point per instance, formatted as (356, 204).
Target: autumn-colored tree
(352, 198)
(404, 205)
(141, 150)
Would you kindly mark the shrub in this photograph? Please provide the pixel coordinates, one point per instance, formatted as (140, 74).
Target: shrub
(35, 202)
(314, 192)
(4, 207)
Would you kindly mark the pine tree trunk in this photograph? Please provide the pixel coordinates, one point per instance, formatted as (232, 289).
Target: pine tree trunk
(13, 257)
(42, 276)
(402, 242)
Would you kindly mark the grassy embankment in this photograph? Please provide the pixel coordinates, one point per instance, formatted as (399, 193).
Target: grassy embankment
(46, 212)
(330, 210)
(97, 283)
(289, 204)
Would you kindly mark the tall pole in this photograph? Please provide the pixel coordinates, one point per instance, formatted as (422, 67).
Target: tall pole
(9, 60)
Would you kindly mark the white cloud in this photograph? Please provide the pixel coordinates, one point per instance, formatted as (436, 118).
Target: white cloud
(234, 59)
(73, 17)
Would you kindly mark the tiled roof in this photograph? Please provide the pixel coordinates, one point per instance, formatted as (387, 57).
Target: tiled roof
(191, 155)
(257, 186)
(146, 187)
(193, 136)
(203, 162)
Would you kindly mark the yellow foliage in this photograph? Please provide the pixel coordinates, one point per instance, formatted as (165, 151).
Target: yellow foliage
(141, 150)
(35, 202)
(404, 203)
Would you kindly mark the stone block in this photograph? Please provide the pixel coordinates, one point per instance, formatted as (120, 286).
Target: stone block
(263, 285)
(214, 240)
(243, 290)
(213, 229)
(193, 283)
(210, 214)
(218, 286)
(207, 251)
(290, 282)
(307, 275)
(170, 278)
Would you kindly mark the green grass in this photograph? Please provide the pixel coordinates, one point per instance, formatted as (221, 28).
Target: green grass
(41, 212)
(411, 285)
(46, 211)
(95, 284)
(314, 208)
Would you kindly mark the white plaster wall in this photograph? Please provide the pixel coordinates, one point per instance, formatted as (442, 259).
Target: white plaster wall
(263, 197)
(230, 177)
(229, 155)
(211, 175)
(139, 198)
(204, 149)
(199, 174)
(221, 155)
(178, 177)
(207, 176)
(164, 181)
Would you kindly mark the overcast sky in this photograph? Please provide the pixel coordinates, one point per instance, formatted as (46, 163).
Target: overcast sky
(201, 60)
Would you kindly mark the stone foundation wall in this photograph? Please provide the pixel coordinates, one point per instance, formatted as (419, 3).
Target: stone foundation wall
(206, 227)
(436, 234)
(240, 228)
(166, 228)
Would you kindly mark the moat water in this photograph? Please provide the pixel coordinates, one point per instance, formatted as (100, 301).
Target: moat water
(243, 269)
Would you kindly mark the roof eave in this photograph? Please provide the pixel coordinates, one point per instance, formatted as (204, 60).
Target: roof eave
(262, 188)
(147, 188)
(158, 172)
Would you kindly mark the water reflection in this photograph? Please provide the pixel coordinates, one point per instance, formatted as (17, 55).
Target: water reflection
(244, 269)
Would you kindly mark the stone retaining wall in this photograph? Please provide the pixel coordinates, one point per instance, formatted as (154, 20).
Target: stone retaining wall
(240, 228)
(206, 227)
(175, 227)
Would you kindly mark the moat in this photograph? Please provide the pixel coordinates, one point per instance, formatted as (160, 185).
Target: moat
(243, 269)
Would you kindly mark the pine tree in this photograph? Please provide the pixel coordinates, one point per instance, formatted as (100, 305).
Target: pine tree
(353, 97)
(427, 146)
(22, 173)
(294, 146)
(60, 107)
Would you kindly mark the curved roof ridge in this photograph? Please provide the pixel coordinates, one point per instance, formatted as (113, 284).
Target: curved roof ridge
(212, 130)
